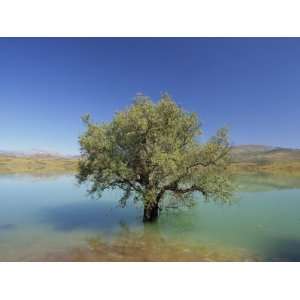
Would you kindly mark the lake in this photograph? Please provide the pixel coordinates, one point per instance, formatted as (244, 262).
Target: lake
(52, 218)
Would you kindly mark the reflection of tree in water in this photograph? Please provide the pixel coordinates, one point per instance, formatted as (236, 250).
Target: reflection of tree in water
(149, 245)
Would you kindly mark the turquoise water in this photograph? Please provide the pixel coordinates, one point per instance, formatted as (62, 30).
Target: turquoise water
(52, 215)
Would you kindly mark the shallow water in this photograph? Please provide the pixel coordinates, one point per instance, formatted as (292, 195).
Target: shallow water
(50, 217)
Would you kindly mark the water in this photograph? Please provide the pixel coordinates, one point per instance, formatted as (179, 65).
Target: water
(50, 217)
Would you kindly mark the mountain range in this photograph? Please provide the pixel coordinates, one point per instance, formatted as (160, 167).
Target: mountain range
(239, 153)
(36, 153)
(263, 154)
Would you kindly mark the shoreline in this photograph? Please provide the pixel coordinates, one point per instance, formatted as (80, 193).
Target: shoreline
(57, 165)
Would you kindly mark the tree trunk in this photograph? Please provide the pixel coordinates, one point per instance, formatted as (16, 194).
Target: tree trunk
(151, 212)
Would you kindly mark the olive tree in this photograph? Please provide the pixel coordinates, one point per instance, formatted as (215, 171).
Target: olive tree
(152, 151)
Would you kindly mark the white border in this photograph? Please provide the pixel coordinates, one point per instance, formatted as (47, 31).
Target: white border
(149, 18)
(149, 281)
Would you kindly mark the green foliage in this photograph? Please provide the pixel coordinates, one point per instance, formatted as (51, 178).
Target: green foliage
(151, 149)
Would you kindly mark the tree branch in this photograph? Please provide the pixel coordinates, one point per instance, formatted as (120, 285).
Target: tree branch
(193, 188)
(126, 181)
(211, 162)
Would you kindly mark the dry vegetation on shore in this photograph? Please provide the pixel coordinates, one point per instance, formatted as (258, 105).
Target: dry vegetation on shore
(49, 164)
(281, 167)
(37, 165)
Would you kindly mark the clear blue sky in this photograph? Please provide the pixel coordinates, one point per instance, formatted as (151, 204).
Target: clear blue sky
(251, 85)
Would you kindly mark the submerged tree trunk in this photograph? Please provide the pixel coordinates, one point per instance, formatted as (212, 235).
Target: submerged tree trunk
(151, 212)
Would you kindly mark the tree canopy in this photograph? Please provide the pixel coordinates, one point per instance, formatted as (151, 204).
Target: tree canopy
(152, 151)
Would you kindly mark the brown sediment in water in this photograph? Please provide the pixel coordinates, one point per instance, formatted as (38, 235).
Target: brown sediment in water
(152, 248)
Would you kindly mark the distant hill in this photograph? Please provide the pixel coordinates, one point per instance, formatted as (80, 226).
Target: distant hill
(36, 162)
(240, 154)
(264, 154)
(35, 153)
